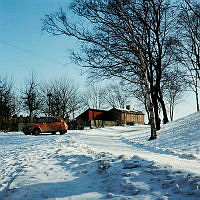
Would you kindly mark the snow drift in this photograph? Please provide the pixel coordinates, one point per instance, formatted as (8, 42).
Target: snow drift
(116, 163)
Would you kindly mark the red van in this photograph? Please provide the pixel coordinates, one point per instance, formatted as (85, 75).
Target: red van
(46, 125)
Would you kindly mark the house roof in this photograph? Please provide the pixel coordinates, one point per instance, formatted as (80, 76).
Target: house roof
(91, 109)
(128, 111)
(136, 112)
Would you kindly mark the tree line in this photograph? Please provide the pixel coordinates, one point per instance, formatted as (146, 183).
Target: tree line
(57, 97)
(151, 45)
(63, 97)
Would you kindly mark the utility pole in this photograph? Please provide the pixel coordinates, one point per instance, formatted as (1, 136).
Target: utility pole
(49, 95)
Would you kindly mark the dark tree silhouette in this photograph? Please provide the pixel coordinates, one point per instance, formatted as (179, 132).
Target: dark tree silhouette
(129, 39)
(8, 101)
(30, 96)
(189, 31)
(61, 97)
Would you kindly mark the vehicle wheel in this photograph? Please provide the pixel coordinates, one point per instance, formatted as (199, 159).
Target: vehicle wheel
(62, 132)
(53, 132)
(36, 131)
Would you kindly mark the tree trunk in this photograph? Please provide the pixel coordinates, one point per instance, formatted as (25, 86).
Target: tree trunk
(30, 117)
(197, 97)
(148, 115)
(1, 123)
(149, 100)
(154, 94)
(164, 110)
(150, 108)
(197, 100)
(152, 118)
(171, 112)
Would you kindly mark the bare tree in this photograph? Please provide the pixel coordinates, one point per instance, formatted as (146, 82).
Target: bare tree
(116, 96)
(188, 26)
(194, 85)
(61, 97)
(129, 39)
(174, 86)
(93, 97)
(30, 97)
(191, 5)
(7, 100)
(139, 94)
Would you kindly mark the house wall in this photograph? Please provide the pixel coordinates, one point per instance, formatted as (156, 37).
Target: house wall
(127, 118)
(140, 119)
(21, 125)
(96, 124)
(90, 118)
(115, 115)
(102, 123)
(95, 115)
(136, 118)
(98, 118)
(15, 123)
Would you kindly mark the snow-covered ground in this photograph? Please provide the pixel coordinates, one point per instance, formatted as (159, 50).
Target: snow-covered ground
(109, 163)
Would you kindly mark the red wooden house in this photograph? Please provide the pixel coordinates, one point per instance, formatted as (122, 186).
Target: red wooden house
(91, 118)
(125, 116)
(95, 118)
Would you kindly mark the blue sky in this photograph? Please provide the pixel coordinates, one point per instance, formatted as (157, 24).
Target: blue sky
(24, 48)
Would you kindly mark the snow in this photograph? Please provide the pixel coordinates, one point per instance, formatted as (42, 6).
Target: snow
(116, 163)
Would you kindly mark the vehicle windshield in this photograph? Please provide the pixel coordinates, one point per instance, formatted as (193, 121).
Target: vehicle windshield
(41, 120)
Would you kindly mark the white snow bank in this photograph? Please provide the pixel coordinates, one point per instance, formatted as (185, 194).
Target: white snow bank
(181, 137)
(116, 163)
(59, 167)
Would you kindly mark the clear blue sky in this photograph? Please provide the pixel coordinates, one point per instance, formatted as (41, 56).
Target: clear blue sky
(25, 49)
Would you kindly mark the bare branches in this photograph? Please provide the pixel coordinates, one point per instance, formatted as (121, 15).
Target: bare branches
(64, 99)
(31, 97)
(193, 7)
(93, 97)
(189, 23)
(129, 39)
(7, 100)
(116, 96)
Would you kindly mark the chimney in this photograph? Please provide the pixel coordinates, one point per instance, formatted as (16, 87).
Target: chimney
(128, 107)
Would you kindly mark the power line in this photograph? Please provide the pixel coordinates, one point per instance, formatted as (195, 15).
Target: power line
(32, 52)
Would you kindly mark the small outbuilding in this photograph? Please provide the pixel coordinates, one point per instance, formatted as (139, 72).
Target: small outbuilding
(126, 116)
(91, 118)
(95, 118)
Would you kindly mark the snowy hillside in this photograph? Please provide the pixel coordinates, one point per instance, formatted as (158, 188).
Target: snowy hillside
(181, 137)
(109, 163)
